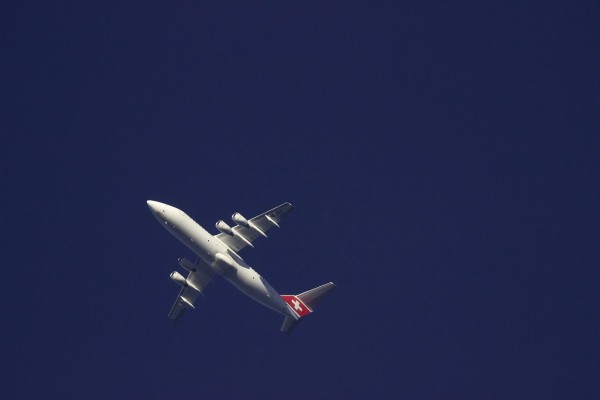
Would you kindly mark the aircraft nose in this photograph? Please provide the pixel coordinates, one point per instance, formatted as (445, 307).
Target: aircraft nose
(153, 205)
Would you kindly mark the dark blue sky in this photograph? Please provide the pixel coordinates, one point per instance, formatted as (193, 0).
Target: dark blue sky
(443, 160)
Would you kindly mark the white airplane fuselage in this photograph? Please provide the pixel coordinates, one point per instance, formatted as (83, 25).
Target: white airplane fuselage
(222, 259)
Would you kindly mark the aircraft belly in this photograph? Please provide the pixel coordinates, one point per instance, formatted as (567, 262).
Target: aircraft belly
(252, 285)
(202, 243)
(244, 278)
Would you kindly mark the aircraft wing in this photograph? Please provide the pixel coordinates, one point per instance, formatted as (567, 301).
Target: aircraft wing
(256, 227)
(197, 280)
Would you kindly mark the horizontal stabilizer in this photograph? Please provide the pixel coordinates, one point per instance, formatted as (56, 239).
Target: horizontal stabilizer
(314, 296)
(289, 324)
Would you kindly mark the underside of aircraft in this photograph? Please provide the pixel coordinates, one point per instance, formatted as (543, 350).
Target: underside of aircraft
(218, 255)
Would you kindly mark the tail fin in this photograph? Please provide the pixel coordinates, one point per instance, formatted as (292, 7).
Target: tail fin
(303, 304)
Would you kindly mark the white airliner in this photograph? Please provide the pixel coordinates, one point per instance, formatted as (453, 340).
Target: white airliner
(218, 254)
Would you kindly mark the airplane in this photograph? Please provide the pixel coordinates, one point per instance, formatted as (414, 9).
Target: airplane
(218, 255)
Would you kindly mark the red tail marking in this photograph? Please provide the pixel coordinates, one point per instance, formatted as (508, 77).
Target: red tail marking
(297, 305)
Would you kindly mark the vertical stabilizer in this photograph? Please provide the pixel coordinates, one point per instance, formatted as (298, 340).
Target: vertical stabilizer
(303, 304)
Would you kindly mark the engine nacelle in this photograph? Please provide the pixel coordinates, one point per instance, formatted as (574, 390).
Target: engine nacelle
(178, 279)
(240, 220)
(224, 228)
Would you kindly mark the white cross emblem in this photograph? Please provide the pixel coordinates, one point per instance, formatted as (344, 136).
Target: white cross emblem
(296, 305)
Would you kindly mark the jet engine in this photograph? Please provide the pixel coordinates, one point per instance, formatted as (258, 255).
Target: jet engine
(178, 279)
(181, 281)
(224, 228)
(240, 220)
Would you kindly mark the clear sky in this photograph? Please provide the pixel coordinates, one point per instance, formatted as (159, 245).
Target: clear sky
(443, 160)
